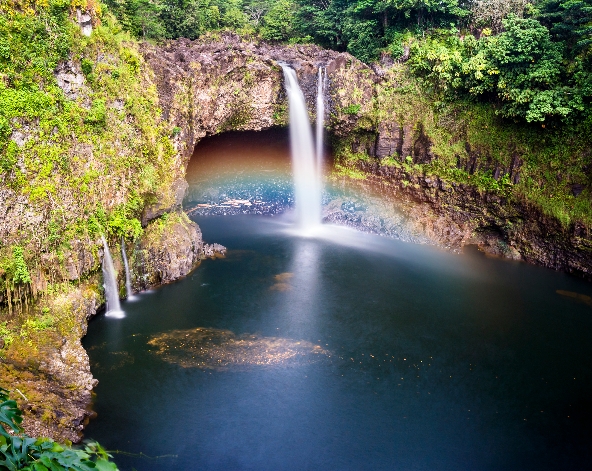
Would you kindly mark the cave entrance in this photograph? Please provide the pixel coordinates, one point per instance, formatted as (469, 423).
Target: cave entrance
(240, 172)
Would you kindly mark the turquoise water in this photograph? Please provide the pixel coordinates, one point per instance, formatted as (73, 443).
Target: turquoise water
(345, 352)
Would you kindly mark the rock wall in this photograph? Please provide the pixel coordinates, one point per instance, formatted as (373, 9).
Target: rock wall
(453, 215)
(210, 86)
(220, 84)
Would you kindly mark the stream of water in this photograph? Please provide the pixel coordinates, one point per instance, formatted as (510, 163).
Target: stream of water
(343, 352)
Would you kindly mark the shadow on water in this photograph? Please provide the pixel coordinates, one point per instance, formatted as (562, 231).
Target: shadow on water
(343, 351)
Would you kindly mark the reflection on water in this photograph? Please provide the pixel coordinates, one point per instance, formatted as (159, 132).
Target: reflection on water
(240, 172)
(217, 349)
(282, 282)
(577, 296)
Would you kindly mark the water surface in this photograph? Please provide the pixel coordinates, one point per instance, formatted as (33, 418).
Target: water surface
(429, 360)
(343, 351)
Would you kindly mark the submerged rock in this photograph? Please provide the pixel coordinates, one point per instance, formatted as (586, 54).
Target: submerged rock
(217, 349)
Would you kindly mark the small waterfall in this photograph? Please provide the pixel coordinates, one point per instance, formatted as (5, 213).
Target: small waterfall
(320, 119)
(307, 179)
(110, 284)
(128, 277)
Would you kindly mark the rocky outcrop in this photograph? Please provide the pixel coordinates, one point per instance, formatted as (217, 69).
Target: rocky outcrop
(453, 215)
(51, 377)
(167, 251)
(207, 87)
(52, 374)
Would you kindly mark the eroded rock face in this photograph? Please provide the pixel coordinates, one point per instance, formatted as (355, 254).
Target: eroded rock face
(70, 79)
(455, 215)
(210, 87)
(53, 377)
(167, 251)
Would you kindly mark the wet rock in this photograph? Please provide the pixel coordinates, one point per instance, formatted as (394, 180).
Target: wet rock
(576, 189)
(239, 85)
(453, 215)
(156, 210)
(169, 250)
(389, 140)
(54, 377)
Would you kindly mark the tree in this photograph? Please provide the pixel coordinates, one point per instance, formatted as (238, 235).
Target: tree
(278, 22)
(491, 13)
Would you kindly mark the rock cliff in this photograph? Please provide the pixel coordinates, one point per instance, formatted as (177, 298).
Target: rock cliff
(380, 126)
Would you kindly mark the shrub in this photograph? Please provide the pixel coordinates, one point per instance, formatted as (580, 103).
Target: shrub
(19, 451)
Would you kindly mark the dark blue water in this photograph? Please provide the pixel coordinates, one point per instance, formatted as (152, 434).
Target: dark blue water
(432, 361)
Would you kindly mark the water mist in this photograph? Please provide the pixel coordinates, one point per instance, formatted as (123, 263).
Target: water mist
(320, 119)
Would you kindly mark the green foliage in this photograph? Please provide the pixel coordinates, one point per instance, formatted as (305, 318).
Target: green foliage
(87, 66)
(97, 115)
(521, 70)
(21, 452)
(39, 323)
(6, 334)
(89, 170)
(352, 109)
(158, 19)
(278, 23)
(20, 272)
(10, 414)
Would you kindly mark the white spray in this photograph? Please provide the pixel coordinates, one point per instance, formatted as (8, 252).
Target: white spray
(110, 284)
(128, 276)
(320, 120)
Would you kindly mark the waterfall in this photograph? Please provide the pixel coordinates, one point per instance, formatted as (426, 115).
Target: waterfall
(128, 277)
(110, 284)
(307, 179)
(320, 120)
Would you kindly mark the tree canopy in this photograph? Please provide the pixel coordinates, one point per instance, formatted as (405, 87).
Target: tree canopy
(531, 59)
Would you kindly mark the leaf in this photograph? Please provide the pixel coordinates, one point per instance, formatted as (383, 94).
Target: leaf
(104, 465)
(10, 415)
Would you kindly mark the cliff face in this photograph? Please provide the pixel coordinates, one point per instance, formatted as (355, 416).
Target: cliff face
(210, 86)
(453, 215)
(457, 179)
(83, 153)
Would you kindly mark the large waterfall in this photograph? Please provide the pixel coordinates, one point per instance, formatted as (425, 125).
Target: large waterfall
(307, 178)
(110, 284)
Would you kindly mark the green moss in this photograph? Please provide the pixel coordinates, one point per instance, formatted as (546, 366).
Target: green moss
(351, 109)
(91, 169)
(345, 171)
